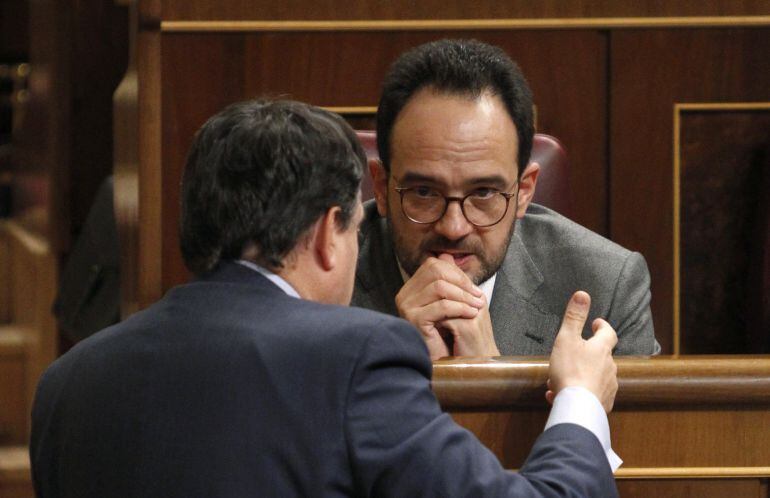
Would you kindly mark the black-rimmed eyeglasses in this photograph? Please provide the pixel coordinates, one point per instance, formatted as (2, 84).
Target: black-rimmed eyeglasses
(482, 208)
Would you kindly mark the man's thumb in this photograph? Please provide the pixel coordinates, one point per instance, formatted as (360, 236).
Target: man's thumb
(576, 313)
(446, 257)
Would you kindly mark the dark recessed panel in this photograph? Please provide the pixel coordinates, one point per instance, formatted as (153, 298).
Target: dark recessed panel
(725, 182)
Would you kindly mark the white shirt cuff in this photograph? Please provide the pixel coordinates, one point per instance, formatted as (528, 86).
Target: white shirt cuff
(578, 405)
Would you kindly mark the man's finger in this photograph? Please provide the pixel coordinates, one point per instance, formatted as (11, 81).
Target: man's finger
(444, 268)
(446, 309)
(437, 347)
(576, 313)
(436, 291)
(603, 331)
(441, 289)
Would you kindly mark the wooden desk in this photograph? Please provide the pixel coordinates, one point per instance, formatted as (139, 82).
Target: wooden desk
(694, 426)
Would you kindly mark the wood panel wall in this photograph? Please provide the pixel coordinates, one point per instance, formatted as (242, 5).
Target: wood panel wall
(653, 71)
(182, 10)
(606, 77)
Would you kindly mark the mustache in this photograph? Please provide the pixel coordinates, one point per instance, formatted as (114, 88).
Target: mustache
(438, 243)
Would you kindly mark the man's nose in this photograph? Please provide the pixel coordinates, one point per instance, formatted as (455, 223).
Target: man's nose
(453, 225)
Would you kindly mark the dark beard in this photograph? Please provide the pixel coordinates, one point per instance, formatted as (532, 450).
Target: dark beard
(489, 265)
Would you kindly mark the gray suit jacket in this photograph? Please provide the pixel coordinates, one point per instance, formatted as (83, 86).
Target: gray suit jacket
(549, 258)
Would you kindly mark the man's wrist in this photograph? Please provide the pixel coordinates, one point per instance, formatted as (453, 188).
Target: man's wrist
(577, 405)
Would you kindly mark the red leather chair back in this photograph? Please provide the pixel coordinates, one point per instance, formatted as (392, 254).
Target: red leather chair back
(552, 182)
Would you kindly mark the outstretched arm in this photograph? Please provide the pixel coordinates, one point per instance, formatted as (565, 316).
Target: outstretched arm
(401, 444)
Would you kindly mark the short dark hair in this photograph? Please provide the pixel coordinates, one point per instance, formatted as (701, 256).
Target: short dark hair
(262, 172)
(462, 67)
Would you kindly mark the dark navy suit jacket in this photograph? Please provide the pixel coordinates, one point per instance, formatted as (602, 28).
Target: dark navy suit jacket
(228, 387)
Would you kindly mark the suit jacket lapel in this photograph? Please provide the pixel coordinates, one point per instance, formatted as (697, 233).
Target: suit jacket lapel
(520, 327)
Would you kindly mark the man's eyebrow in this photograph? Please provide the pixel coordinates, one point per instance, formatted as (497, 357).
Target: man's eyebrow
(417, 178)
(496, 181)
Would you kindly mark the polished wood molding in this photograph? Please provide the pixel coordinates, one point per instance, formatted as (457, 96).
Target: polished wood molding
(33, 242)
(343, 110)
(14, 464)
(125, 126)
(464, 24)
(150, 170)
(690, 381)
(648, 473)
(5, 276)
(12, 341)
(692, 472)
(721, 106)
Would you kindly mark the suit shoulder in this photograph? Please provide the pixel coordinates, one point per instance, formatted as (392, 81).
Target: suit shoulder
(312, 326)
(543, 228)
(359, 321)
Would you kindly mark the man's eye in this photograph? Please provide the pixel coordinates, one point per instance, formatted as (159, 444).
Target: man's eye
(425, 192)
(484, 193)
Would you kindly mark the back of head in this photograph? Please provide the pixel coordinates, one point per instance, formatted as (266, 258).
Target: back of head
(461, 67)
(259, 174)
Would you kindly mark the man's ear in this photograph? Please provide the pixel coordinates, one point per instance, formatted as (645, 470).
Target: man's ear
(379, 185)
(527, 185)
(326, 239)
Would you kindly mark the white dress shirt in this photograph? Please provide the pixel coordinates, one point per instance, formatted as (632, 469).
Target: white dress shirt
(283, 284)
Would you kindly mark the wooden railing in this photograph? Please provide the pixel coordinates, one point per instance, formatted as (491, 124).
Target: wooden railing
(695, 424)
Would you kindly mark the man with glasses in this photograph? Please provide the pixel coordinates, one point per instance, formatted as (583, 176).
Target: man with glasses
(453, 243)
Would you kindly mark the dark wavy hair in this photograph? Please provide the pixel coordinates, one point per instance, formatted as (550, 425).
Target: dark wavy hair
(262, 172)
(461, 67)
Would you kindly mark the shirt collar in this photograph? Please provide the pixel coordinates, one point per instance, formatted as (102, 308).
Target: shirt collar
(276, 279)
